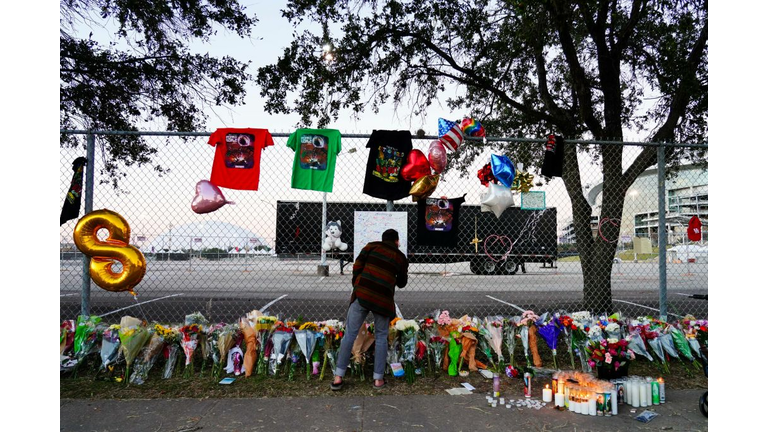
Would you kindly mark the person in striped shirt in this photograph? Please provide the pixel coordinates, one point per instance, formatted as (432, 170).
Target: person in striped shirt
(379, 267)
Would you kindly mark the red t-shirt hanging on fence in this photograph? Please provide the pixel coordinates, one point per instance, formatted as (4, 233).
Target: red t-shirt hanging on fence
(238, 157)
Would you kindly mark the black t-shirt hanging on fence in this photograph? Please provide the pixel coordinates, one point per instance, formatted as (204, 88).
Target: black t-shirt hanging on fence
(438, 222)
(553, 157)
(389, 150)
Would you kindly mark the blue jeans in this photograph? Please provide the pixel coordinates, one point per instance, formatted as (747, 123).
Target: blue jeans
(355, 318)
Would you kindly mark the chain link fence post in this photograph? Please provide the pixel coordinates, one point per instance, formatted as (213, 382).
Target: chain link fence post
(662, 233)
(85, 297)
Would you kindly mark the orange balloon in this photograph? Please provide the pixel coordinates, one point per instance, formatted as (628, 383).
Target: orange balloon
(115, 247)
(424, 186)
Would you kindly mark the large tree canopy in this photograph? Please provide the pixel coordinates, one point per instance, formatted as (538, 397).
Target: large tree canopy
(580, 68)
(147, 74)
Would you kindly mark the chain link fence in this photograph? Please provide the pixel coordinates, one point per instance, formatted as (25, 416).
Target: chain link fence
(264, 251)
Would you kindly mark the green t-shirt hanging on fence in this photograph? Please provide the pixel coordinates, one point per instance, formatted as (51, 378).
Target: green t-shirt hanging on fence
(315, 160)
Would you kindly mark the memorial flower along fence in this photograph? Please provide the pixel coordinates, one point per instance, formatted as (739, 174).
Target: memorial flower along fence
(437, 344)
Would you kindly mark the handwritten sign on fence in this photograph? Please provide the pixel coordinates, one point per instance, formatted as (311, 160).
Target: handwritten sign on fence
(370, 225)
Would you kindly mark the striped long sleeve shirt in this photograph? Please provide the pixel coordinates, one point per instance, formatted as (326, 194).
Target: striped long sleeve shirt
(379, 267)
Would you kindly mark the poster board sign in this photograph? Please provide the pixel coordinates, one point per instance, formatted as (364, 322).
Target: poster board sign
(535, 200)
(370, 225)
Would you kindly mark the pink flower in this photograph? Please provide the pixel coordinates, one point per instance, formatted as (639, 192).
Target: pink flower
(444, 318)
(612, 351)
(616, 365)
(591, 363)
(604, 342)
(608, 358)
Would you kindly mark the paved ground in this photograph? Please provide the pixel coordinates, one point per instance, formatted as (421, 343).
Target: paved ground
(230, 288)
(377, 413)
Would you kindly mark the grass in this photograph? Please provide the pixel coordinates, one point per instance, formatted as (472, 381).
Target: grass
(90, 385)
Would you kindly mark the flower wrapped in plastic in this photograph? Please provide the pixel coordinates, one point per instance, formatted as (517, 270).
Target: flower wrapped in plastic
(189, 341)
(609, 353)
(681, 345)
(251, 355)
(333, 332)
(407, 333)
(110, 346)
(214, 333)
(510, 338)
(294, 355)
(265, 326)
(306, 338)
(550, 332)
(454, 353)
(281, 339)
(529, 319)
(636, 344)
(668, 344)
(147, 358)
(133, 336)
(66, 341)
(692, 327)
(470, 335)
(234, 361)
(224, 342)
(172, 339)
(613, 331)
(86, 335)
(493, 332)
(436, 347)
(365, 338)
(524, 339)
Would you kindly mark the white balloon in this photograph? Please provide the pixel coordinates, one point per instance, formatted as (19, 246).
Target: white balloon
(497, 199)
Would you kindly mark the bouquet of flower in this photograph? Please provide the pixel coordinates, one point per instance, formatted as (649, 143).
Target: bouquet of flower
(550, 333)
(407, 332)
(493, 332)
(214, 332)
(436, 348)
(470, 337)
(365, 338)
(147, 358)
(510, 336)
(265, 326)
(566, 324)
(692, 327)
(529, 319)
(333, 332)
(110, 346)
(172, 340)
(281, 339)
(307, 340)
(295, 357)
(224, 342)
(613, 353)
(681, 344)
(613, 330)
(651, 338)
(133, 336)
(635, 343)
(66, 336)
(86, 335)
(454, 353)
(249, 335)
(189, 334)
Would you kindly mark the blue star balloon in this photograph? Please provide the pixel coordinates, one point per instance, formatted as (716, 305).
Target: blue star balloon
(443, 126)
(503, 169)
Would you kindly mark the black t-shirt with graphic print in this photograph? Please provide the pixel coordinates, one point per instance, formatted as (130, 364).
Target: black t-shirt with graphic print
(389, 150)
(438, 222)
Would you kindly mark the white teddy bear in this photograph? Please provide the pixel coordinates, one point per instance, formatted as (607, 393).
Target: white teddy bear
(333, 237)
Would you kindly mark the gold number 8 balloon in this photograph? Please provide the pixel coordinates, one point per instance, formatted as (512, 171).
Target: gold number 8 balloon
(115, 247)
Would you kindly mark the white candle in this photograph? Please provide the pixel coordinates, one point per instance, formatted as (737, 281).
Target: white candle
(559, 399)
(501, 401)
(592, 406)
(649, 390)
(546, 394)
(643, 394)
(584, 407)
(614, 402)
(662, 391)
(635, 394)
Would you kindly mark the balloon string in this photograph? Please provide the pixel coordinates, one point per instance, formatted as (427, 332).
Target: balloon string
(614, 222)
(136, 299)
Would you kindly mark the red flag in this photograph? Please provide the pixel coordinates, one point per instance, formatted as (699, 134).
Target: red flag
(694, 229)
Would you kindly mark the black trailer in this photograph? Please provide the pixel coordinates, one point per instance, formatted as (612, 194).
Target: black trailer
(532, 232)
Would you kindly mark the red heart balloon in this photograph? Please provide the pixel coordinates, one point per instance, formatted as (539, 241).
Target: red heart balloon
(416, 167)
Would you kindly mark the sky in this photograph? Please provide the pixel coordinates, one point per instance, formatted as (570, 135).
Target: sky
(33, 199)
